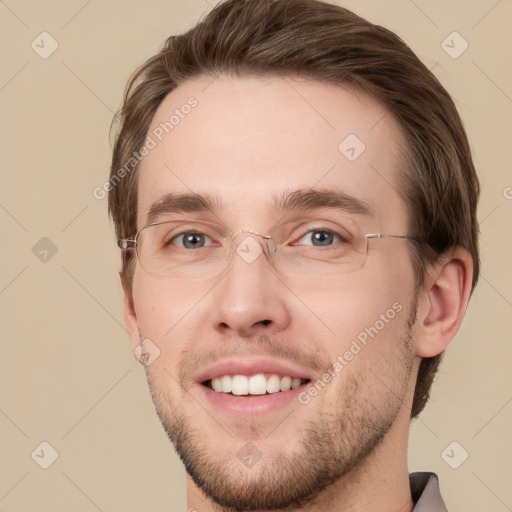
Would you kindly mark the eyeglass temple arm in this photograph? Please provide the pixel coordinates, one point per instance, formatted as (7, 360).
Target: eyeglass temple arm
(381, 235)
(126, 243)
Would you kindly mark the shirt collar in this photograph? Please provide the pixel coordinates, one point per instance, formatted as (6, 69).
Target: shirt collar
(426, 493)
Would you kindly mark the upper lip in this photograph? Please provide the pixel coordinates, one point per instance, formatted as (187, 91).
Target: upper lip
(251, 367)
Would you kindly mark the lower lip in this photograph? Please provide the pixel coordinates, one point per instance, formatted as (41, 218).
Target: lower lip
(253, 405)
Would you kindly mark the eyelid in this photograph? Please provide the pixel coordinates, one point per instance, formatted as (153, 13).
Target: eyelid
(306, 226)
(185, 225)
(340, 238)
(190, 227)
(178, 235)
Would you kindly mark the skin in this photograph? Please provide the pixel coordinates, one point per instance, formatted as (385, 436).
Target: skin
(255, 136)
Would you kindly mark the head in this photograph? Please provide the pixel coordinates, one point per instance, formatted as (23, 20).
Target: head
(250, 110)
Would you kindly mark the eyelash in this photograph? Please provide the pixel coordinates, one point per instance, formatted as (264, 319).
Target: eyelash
(320, 230)
(183, 234)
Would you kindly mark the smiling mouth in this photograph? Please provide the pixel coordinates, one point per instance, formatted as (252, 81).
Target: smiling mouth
(254, 385)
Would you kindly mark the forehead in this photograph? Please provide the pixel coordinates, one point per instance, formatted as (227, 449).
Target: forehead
(244, 141)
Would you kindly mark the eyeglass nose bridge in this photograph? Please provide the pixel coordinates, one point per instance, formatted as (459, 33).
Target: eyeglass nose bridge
(248, 253)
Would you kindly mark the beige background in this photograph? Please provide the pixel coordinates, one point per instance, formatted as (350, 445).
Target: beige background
(68, 376)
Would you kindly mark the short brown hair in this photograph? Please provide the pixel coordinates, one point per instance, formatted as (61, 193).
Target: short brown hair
(324, 42)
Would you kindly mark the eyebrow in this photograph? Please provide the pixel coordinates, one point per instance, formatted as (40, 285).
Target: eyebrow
(179, 203)
(297, 200)
(315, 198)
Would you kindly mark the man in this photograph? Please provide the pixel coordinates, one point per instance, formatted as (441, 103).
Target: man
(295, 201)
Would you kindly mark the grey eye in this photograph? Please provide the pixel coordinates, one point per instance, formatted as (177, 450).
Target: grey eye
(192, 240)
(319, 238)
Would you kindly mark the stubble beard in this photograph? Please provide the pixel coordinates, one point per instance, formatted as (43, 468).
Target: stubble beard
(332, 445)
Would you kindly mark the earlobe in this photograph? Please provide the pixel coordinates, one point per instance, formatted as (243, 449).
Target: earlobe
(130, 317)
(445, 299)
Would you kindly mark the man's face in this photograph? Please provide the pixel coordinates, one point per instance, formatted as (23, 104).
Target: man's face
(248, 142)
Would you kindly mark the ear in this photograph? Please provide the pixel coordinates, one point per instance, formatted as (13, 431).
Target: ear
(130, 317)
(443, 302)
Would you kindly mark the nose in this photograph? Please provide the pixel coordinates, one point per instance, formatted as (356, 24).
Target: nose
(251, 299)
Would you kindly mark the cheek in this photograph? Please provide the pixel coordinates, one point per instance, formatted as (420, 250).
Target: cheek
(166, 313)
(160, 303)
(367, 351)
(362, 316)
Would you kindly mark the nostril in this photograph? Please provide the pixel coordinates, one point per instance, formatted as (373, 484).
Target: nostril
(266, 322)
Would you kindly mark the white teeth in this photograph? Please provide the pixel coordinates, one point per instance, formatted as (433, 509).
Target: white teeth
(273, 384)
(258, 384)
(295, 383)
(240, 385)
(255, 385)
(286, 383)
(226, 383)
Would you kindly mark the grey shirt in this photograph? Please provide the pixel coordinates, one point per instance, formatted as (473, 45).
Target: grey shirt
(425, 492)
